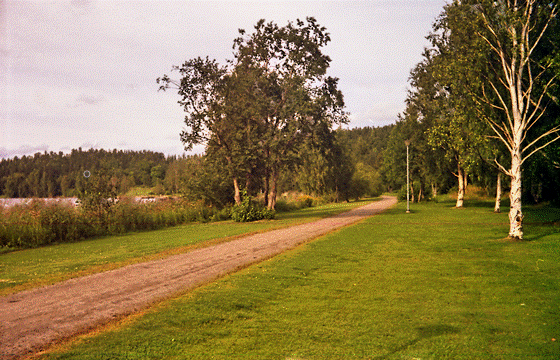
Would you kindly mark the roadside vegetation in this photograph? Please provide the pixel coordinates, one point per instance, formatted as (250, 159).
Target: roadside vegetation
(439, 283)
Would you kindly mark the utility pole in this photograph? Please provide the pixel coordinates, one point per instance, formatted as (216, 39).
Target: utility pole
(407, 143)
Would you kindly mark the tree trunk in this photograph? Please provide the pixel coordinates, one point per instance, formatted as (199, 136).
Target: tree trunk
(248, 184)
(434, 190)
(515, 213)
(461, 190)
(498, 193)
(412, 192)
(237, 195)
(266, 186)
(273, 189)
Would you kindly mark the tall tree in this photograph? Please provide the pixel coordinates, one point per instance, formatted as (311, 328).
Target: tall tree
(259, 109)
(295, 94)
(450, 79)
(515, 30)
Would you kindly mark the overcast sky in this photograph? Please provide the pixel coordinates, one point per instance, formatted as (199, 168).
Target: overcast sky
(82, 73)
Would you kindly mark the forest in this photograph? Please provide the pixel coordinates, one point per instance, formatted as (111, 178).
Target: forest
(57, 174)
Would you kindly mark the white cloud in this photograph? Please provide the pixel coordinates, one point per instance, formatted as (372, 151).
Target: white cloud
(81, 71)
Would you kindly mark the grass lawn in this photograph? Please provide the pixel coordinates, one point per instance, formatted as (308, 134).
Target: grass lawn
(25, 269)
(439, 283)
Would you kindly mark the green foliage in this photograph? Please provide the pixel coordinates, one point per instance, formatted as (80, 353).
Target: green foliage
(203, 178)
(368, 180)
(255, 113)
(98, 195)
(456, 111)
(38, 224)
(292, 201)
(249, 210)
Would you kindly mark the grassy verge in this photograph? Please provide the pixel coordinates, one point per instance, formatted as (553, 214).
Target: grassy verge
(439, 283)
(25, 269)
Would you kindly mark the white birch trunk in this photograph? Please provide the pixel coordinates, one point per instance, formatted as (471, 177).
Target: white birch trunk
(515, 213)
(461, 190)
(497, 205)
(518, 133)
(273, 189)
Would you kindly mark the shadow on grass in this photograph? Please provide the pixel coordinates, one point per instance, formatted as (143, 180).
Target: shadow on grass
(538, 232)
(424, 332)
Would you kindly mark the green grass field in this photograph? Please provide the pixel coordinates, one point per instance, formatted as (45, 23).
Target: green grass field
(25, 269)
(439, 283)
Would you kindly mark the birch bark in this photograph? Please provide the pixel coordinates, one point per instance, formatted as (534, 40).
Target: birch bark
(515, 211)
(273, 191)
(461, 190)
(513, 34)
(497, 205)
(237, 192)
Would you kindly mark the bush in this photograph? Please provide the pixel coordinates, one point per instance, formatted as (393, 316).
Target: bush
(283, 205)
(250, 210)
(305, 201)
(401, 194)
(223, 214)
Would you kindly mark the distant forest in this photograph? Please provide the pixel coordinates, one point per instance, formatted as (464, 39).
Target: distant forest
(51, 174)
(58, 174)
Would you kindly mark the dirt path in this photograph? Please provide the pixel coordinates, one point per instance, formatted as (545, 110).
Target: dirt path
(31, 320)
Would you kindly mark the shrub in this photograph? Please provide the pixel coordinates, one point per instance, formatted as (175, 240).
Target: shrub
(223, 214)
(292, 200)
(283, 205)
(401, 194)
(305, 201)
(250, 210)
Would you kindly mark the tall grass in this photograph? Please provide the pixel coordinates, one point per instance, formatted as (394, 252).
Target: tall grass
(38, 224)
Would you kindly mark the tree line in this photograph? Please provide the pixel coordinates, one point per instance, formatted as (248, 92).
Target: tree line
(484, 103)
(483, 107)
(51, 174)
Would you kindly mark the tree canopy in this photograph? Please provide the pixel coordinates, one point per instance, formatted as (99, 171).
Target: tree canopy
(260, 108)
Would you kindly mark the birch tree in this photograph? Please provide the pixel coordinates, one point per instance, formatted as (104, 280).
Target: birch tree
(514, 29)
